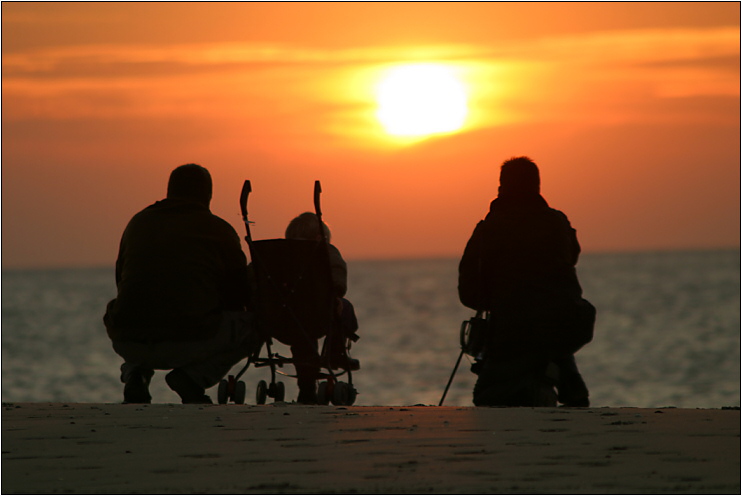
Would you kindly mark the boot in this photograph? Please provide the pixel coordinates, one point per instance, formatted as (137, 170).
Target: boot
(136, 384)
(187, 389)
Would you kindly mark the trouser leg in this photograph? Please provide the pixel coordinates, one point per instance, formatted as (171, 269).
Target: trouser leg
(348, 321)
(130, 370)
(234, 342)
(514, 381)
(567, 364)
(344, 328)
(337, 343)
(205, 362)
(307, 365)
(570, 385)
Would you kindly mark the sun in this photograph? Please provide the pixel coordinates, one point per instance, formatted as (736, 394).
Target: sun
(417, 100)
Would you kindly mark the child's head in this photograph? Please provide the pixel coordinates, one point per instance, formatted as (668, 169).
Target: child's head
(306, 226)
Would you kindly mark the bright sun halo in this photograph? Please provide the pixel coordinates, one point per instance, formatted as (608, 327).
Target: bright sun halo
(421, 99)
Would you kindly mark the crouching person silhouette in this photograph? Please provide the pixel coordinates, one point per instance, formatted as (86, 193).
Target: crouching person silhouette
(181, 277)
(305, 353)
(519, 266)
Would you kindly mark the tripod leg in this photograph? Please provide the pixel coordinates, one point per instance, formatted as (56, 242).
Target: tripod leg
(450, 379)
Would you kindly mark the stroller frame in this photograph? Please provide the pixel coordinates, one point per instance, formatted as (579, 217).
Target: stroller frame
(330, 389)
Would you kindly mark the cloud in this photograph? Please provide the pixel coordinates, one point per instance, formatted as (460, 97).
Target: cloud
(716, 48)
(614, 77)
(116, 60)
(601, 75)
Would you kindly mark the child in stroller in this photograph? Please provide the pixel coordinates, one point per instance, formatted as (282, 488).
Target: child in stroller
(305, 355)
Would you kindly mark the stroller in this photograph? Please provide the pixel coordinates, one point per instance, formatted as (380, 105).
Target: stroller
(295, 303)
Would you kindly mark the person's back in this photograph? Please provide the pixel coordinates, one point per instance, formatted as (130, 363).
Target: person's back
(519, 265)
(527, 249)
(178, 269)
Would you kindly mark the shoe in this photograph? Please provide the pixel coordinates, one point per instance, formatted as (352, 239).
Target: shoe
(544, 395)
(136, 389)
(189, 391)
(573, 391)
(307, 397)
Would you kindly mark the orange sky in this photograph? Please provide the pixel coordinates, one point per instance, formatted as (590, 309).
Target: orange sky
(632, 111)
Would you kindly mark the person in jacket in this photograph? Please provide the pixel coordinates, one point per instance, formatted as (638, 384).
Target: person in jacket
(306, 356)
(519, 265)
(182, 292)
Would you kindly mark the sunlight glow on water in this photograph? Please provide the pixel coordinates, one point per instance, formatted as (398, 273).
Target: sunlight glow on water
(667, 333)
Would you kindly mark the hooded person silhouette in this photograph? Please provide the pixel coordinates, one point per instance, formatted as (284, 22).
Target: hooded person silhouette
(519, 266)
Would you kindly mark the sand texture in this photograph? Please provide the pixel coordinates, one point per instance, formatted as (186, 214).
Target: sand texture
(289, 448)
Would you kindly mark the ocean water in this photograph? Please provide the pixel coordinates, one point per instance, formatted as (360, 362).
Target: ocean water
(667, 333)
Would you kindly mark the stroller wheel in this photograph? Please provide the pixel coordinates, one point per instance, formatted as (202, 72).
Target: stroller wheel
(280, 392)
(240, 390)
(323, 398)
(341, 394)
(222, 393)
(261, 393)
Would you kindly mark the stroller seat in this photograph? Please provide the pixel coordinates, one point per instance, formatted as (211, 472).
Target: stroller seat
(295, 304)
(294, 289)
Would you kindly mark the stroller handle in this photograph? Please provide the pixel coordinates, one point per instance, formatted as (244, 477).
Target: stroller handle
(246, 189)
(318, 209)
(317, 191)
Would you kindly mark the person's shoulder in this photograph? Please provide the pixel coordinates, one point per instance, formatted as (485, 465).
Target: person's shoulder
(559, 216)
(216, 218)
(154, 206)
(556, 212)
(221, 223)
(333, 250)
(147, 211)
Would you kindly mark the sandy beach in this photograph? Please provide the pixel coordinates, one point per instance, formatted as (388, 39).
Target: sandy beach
(288, 448)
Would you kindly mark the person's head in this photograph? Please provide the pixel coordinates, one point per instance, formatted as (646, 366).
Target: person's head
(190, 182)
(519, 177)
(306, 226)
